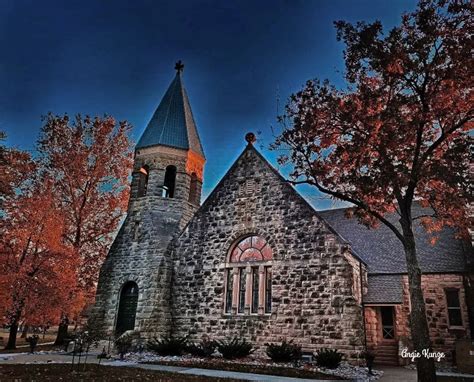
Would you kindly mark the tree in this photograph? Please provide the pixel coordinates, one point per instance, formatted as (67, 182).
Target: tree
(90, 161)
(36, 267)
(397, 134)
(16, 168)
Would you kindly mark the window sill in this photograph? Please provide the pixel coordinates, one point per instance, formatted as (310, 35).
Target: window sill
(457, 328)
(246, 316)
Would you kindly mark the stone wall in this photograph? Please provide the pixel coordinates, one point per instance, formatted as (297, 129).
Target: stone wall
(443, 337)
(140, 251)
(313, 298)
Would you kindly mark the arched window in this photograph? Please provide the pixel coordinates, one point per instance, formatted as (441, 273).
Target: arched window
(142, 181)
(193, 189)
(170, 180)
(127, 308)
(248, 284)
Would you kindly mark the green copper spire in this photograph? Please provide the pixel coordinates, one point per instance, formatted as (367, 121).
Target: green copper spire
(173, 124)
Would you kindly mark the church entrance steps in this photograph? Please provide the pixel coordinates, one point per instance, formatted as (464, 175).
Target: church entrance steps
(386, 353)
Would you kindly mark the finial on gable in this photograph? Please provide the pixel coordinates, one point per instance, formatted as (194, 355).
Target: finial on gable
(179, 67)
(250, 138)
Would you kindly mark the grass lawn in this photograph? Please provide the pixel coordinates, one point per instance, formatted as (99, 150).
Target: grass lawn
(39, 347)
(246, 368)
(94, 373)
(22, 344)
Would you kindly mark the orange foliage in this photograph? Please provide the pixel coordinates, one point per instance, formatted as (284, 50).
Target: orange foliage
(90, 160)
(400, 131)
(35, 264)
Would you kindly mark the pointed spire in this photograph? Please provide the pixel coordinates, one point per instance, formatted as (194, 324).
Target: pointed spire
(173, 124)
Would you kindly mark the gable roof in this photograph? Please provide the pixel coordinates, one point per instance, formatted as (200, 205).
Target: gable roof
(173, 124)
(384, 253)
(250, 147)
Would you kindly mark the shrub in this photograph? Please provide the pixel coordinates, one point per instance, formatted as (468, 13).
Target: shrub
(123, 344)
(33, 341)
(168, 345)
(285, 352)
(369, 359)
(328, 358)
(234, 348)
(203, 349)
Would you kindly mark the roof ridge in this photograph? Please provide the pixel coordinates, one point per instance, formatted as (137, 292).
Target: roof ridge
(250, 147)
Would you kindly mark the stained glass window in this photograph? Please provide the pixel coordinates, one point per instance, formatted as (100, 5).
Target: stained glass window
(253, 255)
(252, 248)
(268, 290)
(255, 289)
(242, 289)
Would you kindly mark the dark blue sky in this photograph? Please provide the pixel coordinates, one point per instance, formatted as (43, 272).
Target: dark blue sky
(117, 57)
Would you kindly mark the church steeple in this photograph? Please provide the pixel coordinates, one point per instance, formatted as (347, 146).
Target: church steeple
(172, 123)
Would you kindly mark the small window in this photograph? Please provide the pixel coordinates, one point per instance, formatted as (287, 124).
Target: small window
(170, 180)
(193, 189)
(142, 181)
(454, 307)
(136, 228)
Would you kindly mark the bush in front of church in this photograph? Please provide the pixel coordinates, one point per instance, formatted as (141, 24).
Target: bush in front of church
(204, 349)
(123, 344)
(234, 348)
(284, 352)
(328, 358)
(168, 345)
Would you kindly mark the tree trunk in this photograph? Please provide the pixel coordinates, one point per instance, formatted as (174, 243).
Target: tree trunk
(62, 331)
(12, 336)
(24, 332)
(419, 326)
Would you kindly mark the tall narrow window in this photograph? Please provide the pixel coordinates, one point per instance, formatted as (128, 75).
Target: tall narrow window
(251, 253)
(170, 180)
(242, 289)
(228, 294)
(268, 290)
(454, 307)
(193, 189)
(142, 181)
(136, 228)
(255, 289)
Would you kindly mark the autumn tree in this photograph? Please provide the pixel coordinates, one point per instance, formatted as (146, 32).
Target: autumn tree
(16, 168)
(90, 161)
(35, 265)
(397, 134)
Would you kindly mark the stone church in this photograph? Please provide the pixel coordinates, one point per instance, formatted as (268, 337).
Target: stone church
(257, 261)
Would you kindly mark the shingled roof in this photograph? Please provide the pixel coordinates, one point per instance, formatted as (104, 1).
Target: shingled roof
(384, 289)
(383, 252)
(173, 124)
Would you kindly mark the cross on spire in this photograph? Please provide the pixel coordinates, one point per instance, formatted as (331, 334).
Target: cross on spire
(179, 67)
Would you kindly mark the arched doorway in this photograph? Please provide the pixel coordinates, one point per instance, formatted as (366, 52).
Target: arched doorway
(127, 308)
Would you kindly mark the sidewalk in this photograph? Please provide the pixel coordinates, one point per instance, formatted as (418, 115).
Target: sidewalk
(22, 358)
(222, 374)
(397, 374)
